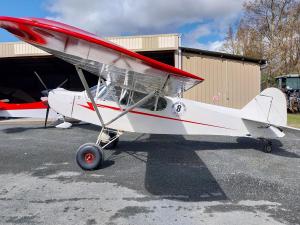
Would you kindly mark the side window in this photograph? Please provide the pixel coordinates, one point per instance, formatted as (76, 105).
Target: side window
(161, 104)
(150, 104)
(126, 97)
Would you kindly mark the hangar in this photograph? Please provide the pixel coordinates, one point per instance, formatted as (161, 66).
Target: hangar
(230, 80)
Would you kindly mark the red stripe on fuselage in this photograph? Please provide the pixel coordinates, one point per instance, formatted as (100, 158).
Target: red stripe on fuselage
(90, 107)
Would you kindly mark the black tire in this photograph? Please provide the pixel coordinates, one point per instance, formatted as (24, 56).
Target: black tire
(113, 144)
(268, 148)
(89, 156)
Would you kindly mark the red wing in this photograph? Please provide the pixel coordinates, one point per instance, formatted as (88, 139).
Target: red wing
(121, 66)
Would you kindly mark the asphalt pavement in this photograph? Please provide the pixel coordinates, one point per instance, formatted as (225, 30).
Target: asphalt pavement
(147, 179)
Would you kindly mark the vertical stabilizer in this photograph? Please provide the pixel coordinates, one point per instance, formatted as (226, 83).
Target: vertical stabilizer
(267, 107)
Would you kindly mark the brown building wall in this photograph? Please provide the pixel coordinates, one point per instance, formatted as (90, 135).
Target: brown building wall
(230, 83)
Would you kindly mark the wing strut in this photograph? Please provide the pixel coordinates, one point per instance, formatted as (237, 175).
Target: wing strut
(127, 110)
(160, 91)
(119, 133)
(87, 89)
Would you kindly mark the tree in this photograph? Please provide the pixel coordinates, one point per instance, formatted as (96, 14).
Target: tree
(269, 29)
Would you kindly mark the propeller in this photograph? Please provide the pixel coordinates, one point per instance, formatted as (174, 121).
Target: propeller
(62, 83)
(45, 93)
(40, 79)
(47, 114)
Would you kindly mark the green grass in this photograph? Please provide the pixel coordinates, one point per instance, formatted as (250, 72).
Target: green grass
(294, 120)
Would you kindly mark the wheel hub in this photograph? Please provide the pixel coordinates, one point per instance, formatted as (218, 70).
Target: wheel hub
(89, 157)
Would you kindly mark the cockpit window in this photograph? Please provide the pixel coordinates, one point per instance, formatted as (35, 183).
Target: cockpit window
(127, 97)
(150, 104)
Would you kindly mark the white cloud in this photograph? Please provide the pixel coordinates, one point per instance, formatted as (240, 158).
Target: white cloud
(215, 46)
(211, 45)
(117, 17)
(209, 35)
(201, 30)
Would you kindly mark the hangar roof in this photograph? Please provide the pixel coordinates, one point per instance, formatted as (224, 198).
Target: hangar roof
(224, 55)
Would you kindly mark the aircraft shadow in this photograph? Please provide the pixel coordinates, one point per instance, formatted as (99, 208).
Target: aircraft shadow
(13, 130)
(173, 168)
(243, 142)
(175, 171)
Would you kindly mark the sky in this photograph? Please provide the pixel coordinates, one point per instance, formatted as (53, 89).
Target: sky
(202, 23)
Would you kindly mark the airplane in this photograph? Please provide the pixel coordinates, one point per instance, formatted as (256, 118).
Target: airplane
(28, 107)
(35, 110)
(16, 103)
(31, 110)
(138, 94)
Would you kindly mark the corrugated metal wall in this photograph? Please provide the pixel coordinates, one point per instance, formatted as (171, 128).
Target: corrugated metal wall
(136, 43)
(148, 42)
(228, 83)
(16, 49)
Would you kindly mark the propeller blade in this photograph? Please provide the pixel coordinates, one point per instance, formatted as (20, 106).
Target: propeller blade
(62, 84)
(40, 79)
(45, 93)
(47, 114)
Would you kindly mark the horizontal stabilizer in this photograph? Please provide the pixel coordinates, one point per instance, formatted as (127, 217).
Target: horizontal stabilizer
(260, 129)
(291, 131)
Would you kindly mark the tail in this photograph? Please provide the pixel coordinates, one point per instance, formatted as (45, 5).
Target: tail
(267, 107)
(266, 114)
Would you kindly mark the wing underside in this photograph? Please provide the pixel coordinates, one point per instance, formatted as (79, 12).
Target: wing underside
(113, 63)
(128, 78)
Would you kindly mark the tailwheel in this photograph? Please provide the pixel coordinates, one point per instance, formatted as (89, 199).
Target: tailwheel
(109, 139)
(267, 146)
(89, 156)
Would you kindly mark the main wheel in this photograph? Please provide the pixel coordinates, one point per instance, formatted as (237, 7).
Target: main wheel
(89, 156)
(113, 144)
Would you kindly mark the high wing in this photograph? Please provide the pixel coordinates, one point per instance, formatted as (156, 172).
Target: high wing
(111, 62)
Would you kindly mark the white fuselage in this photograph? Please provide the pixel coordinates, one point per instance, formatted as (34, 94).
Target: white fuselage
(195, 118)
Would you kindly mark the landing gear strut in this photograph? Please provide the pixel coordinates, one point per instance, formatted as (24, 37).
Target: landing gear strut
(90, 156)
(108, 138)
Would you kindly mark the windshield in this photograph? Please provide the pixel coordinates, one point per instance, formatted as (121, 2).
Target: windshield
(101, 91)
